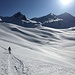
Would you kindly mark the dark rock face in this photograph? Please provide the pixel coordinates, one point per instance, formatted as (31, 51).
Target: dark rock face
(19, 15)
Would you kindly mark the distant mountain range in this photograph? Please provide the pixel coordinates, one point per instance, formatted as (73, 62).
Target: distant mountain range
(64, 20)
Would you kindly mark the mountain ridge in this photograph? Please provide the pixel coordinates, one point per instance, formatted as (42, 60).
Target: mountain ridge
(61, 21)
(21, 20)
(19, 15)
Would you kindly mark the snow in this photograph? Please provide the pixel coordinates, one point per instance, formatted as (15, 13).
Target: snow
(36, 51)
(10, 72)
(0, 19)
(52, 20)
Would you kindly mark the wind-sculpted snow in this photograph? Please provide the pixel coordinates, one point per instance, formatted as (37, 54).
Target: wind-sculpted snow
(36, 51)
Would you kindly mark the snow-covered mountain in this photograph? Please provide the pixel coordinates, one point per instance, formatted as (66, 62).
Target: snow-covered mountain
(45, 18)
(20, 16)
(20, 19)
(64, 20)
(36, 50)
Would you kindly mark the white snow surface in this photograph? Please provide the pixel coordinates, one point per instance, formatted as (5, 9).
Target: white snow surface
(36, 51)
(0, 19)
(52, 20)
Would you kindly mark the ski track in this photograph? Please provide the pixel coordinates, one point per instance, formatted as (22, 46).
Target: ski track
(10, 72)
(15, 65)
(3, 64)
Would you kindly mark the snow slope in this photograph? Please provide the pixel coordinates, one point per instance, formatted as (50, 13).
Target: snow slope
(36, 51)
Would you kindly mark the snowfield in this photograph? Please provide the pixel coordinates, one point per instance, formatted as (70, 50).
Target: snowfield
(36, 51)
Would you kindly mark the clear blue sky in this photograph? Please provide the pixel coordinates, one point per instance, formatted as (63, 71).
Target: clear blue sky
(34, 8)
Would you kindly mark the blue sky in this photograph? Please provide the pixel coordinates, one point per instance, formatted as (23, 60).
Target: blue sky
(34, 8)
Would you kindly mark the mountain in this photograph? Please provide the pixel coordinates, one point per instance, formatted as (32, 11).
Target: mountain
(20, 19)
(66, 16)
(62, 21)
(45, 18)
(35, 50)
(19, 15)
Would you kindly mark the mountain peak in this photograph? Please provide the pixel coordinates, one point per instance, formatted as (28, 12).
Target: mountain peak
(19, 15)
(51, 14)
(66, 15)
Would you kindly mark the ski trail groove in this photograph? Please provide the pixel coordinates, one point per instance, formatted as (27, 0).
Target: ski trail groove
(18, 65)
(10, 72)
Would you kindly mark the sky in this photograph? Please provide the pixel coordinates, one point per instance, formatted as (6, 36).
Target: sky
(35, 8)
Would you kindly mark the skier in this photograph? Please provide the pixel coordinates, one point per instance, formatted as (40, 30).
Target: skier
(9, 49)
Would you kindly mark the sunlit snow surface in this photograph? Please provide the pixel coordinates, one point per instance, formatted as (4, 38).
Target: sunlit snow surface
(36, 51)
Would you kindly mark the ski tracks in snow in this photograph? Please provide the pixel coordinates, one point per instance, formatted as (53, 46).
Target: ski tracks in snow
(10, 70)
(15, 66)
(10, 65)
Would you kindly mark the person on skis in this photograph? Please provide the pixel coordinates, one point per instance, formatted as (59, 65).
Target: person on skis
(9, 49)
